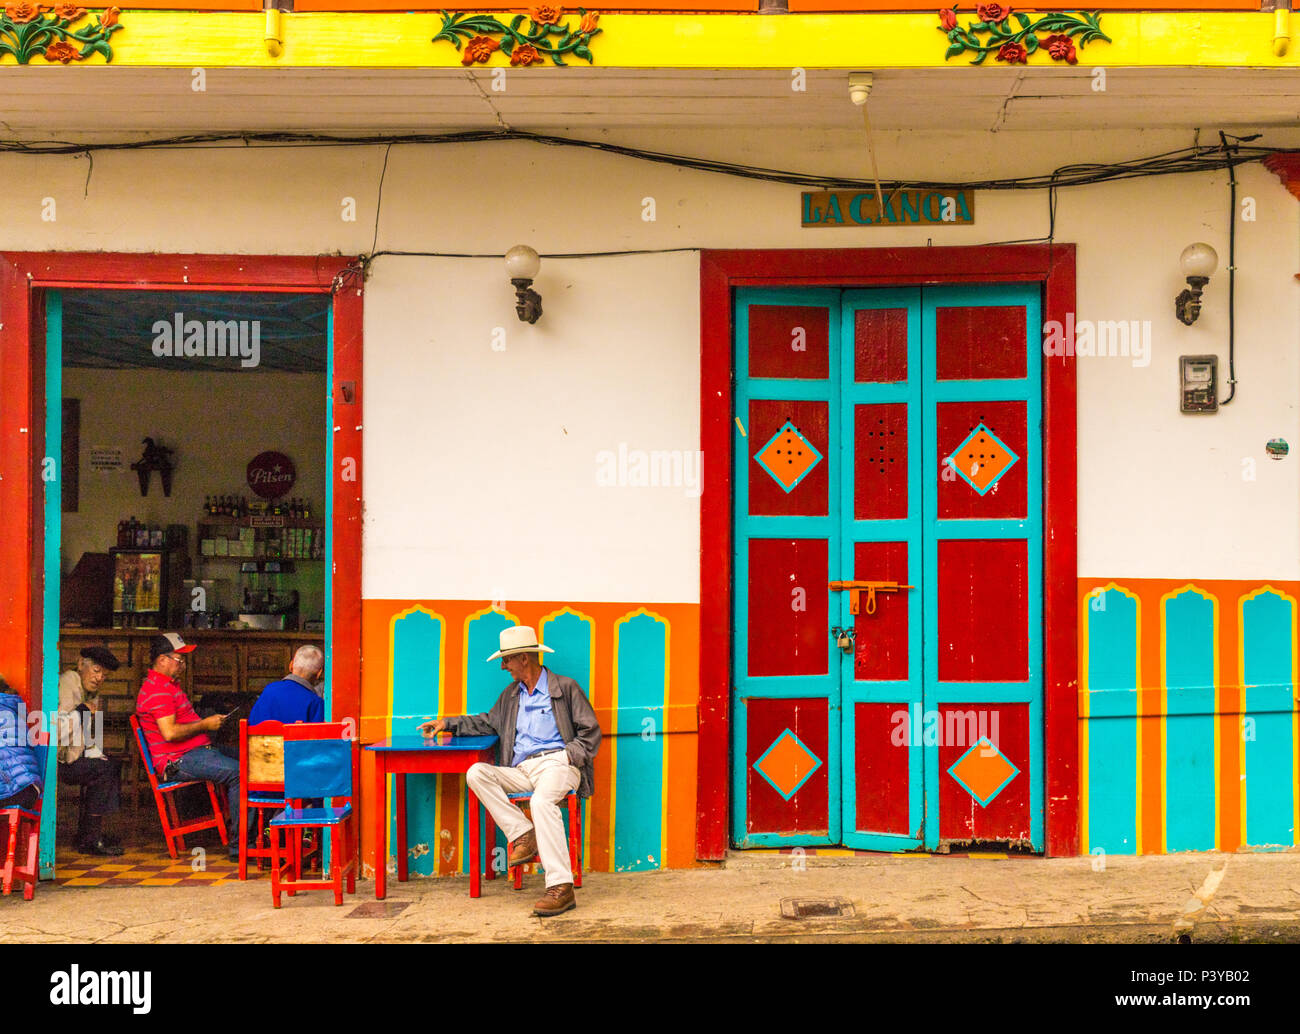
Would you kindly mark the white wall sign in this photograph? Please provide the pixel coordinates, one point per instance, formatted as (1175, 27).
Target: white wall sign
(105, 460)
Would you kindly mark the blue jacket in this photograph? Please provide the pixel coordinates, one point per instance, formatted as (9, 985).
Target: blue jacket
(19, 767)
(287, 701)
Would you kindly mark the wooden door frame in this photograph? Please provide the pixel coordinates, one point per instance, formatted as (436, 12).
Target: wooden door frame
(23, 278)
(1052, 265)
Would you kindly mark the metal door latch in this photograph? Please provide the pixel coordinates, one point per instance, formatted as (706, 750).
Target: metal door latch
(870, 588)
(844, 638)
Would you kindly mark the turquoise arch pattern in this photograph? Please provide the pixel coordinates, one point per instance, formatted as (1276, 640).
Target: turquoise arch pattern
(641, 659)
(1112, 659)
(417, 664)
(641, 666)
(1190, 623)
(1267, 620)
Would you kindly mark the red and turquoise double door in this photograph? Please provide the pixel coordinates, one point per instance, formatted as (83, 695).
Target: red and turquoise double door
(887, 629)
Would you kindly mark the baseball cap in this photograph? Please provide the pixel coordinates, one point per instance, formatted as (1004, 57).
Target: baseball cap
(102, 656)
(168, 642)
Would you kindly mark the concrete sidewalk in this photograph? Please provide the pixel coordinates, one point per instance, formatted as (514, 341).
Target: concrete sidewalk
(891, 899)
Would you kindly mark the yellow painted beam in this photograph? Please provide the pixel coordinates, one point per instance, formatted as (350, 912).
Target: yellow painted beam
(1161, 39)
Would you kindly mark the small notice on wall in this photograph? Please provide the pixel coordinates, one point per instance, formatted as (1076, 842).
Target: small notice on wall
(901, 208)
(106, 461)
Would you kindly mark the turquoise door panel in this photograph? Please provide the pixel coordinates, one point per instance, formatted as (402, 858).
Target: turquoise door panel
(852, 410)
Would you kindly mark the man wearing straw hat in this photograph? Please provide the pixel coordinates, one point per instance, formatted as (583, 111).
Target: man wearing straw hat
(549, 735)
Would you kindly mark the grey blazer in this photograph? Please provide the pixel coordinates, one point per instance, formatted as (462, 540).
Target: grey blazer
(573, 717)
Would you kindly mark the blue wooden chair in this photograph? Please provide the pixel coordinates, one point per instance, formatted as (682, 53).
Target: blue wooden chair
(319, 762)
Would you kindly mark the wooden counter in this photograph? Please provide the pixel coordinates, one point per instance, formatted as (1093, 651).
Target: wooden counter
(225, 661)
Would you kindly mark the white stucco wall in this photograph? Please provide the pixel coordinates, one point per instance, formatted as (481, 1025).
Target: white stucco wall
(480, 463)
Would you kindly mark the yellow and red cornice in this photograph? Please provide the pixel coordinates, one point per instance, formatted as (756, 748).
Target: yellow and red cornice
(875, 41)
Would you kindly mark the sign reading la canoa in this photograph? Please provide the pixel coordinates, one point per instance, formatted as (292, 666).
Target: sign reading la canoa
(901, 207)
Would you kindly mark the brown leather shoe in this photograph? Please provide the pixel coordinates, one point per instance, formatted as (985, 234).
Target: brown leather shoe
(523, 849)
(557, 899)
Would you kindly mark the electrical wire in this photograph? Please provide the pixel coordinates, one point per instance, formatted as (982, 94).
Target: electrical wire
(1192, 159)
(1232, 272)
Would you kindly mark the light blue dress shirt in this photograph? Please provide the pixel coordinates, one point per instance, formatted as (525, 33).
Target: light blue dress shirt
(535, 727)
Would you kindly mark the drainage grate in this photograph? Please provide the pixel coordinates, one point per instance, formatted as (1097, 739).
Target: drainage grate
(378, 909)
(815, 908)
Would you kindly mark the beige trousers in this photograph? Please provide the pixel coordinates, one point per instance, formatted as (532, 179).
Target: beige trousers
(548, 778)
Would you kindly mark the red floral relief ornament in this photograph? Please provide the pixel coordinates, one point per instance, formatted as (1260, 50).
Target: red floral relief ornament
(547, 34)
(1014, 42)
(29, 30)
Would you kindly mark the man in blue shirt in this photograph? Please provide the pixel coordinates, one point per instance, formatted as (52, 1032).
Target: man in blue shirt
(549, 734)
(294, 698)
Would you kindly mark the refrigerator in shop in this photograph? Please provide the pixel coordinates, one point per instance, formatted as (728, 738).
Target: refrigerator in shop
(145, 590)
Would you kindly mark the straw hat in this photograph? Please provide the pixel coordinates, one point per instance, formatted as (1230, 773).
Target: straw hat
(519, 639)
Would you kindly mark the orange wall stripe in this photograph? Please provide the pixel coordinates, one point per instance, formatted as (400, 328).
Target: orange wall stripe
(1152, 725)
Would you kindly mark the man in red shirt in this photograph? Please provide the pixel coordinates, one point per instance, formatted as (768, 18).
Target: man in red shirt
(177, 736)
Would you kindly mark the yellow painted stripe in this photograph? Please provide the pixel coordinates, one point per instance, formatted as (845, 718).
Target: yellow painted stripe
(984, 854)
(186, 39)
(832, 852)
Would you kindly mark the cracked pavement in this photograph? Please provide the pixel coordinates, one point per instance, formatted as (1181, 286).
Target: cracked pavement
(915, 898)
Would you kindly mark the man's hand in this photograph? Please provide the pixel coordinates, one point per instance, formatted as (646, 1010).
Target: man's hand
(212, 723)
(434, 727)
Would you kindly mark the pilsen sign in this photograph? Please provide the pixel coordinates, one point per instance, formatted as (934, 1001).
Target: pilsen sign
(271, 474)
(901, 208)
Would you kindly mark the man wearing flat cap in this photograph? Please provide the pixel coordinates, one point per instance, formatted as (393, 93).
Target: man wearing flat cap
(81, 757)
(548, 737)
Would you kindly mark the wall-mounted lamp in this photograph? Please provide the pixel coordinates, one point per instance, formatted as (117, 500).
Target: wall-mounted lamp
(522, 263)
(1199, 261)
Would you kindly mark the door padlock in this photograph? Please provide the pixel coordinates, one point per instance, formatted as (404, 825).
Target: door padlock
(844, 638)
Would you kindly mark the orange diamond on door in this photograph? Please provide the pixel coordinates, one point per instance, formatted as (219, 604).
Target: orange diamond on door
(788, 457)
(983, 771)
(982, 459)
(787, 764)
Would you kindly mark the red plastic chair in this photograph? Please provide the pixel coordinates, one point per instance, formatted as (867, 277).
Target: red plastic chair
(25, 828)
(173, 832)
(321, 760)
(516, 872)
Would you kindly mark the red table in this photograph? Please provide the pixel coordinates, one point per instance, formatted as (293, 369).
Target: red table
(401, 756)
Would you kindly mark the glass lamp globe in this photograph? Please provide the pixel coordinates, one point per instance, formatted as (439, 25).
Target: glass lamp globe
(522, 263)
(1199, 260)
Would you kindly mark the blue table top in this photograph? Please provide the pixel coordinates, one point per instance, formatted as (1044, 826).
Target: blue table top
(431, 744)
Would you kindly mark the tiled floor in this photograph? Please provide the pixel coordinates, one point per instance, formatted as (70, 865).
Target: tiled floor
(144, 868)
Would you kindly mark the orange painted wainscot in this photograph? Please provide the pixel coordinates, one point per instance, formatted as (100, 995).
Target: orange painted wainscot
(1189, 730)
(637, 662)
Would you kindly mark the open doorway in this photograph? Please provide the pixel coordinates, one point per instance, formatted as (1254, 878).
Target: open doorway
(194, 434)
